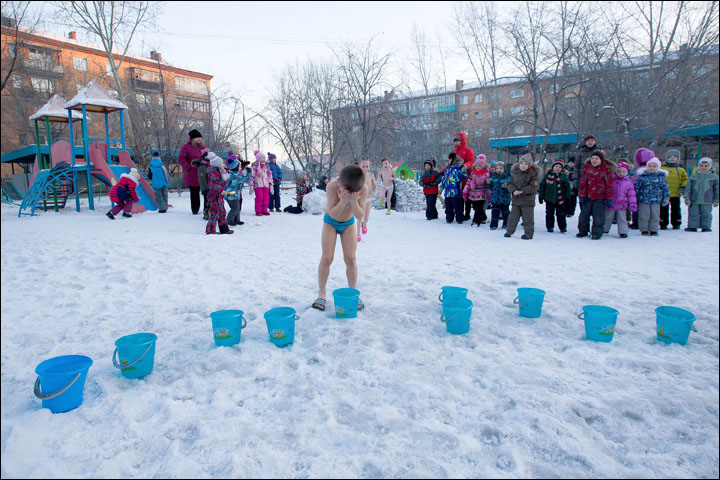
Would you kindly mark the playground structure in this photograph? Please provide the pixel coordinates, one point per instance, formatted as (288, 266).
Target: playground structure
(56, 177)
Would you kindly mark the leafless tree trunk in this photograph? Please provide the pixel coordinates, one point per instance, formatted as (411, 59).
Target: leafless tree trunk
(18, 16)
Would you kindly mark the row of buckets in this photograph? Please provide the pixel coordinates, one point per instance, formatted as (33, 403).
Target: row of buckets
(134, 354)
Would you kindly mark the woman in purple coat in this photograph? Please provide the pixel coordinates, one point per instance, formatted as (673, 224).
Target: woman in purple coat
(189, 152)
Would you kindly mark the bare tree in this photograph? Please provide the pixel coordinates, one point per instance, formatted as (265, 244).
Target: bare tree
(16, 16)
(114, 23)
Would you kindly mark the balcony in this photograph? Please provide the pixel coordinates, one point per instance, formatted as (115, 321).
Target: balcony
(41, 65)
(137, 84)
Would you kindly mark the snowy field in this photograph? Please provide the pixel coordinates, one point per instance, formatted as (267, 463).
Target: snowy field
(387, 394)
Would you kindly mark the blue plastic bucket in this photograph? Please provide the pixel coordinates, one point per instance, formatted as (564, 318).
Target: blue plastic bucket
(673, 324)
(448, 294)
(281, 325)
(135, 354)
(456, 315)
(61, 381)
(227, 326)
(531, 301)
(346, 302)
(599, 322)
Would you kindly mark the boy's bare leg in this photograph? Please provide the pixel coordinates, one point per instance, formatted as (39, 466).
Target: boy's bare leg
(329, 239)
(368, 206)
(348, 240)
(388, 196)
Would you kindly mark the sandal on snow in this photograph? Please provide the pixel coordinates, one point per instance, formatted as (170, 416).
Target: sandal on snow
(361, 305)
(319, 304)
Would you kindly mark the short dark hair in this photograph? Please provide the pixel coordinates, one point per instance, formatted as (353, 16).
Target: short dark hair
(352, 177)
(452, 155)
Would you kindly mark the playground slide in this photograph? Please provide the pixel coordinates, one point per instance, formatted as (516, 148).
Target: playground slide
(145, 201)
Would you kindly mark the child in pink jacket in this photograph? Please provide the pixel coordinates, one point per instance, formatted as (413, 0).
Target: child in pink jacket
(260, 183)
(476, 191)
(623, 200)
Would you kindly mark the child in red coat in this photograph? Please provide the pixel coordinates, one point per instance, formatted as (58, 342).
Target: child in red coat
(595, 194)
(123, 194)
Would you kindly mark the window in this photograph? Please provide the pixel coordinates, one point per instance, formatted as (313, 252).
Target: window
(463, 116)
(519, 110)
(478, 132)
(478, 115)
(147, 75)
(517, 93)
(43, 85)
(80, 64)
(17, 80)
(496, 113)
(203, 107)
(518, 128)
(463, 100)
(191, 85)
(478, 98)
(494, 95)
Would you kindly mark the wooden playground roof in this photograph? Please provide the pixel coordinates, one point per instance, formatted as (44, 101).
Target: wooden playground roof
(96, 99)
(54, 110)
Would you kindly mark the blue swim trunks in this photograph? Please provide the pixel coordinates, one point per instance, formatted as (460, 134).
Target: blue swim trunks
(339, 226)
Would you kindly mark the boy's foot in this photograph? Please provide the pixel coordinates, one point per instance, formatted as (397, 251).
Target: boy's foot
(473, 224)
(361, 305)
(127, 215)
(525, 237)
(633, 227)
(359, 238)
(278, 210)
(706, 230)
(319, 304)
(388, 212)
(493, 228)
(581, 235)
(466, 217)
(240, 223)
(596, 237)
(645, 233)
(550, 230)
(231, 224)
(676, 227)
(691, 229)
(563, 231)
(110, 215)
(623, 235)
(162, 211)
(653, 234)
(448, 221)
(507, 235)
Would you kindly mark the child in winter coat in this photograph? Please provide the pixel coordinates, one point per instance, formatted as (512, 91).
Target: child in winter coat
(274, 201)
(499, 196)
(652, 191)
(476, 191)
(261, 182)
(238, 175)
(523, 185)
(701, 195)
(451, 184)
(641, 157)
(595, 193)
(123, 194)
(303, 186)
(555, 191)
(623, 200)
(202, 166)
(429, 181)
(217, 178)
(160, 181)
(676, 179)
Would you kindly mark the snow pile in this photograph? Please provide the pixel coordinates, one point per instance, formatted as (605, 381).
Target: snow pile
(315, 202)
(409, 196)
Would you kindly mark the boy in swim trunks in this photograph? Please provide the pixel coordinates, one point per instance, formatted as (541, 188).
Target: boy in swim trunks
(345, 201)
(372, 191)
(387, 175)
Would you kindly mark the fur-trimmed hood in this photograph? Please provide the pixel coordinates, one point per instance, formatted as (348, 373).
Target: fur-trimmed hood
(127, 175)
(643, 170)
(611, 166)
(533, 166)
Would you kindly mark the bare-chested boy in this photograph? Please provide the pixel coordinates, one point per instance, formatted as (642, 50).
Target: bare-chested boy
(386, 175)
(371, 188)
(345, 201)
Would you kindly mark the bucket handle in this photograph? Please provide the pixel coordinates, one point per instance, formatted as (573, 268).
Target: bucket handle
(50, 396)
(443, 319)
(244, 323)
(123, 367)
(440, 297)
(581, 315)
(517, 299)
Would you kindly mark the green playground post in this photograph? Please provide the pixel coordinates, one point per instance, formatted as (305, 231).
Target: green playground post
(86, 148)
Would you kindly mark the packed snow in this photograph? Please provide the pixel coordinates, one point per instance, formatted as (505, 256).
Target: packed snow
(387, 394)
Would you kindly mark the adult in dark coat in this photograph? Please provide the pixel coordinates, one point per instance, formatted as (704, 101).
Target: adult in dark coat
(190, 152)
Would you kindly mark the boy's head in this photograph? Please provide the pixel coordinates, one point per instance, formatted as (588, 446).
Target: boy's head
(427, 165)
(155, 154)
(271, 157)
(499, 167)
(589, 140)
(524, 162)
(452, 156)
(672, 156)
(385, 162)
(365, 164)
(597, 157)
(653, 165)
(557, 166)
(622, 169)
(352, 178)
(705, 164)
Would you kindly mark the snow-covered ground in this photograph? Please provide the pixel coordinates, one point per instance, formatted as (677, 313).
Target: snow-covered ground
(387, 394)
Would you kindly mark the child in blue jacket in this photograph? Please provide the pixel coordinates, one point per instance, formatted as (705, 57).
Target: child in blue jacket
(499, 196)
(160, 181)
(238, 175)
(453, 175)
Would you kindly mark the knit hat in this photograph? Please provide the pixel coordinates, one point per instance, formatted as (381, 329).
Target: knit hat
(642, 155)
(481, 159)
(194, 133)
(215, 161)
(155, 153)
(499, 163)
(457, 137)
(234, 165)
(672, 152)
(589, 136)
(134, 172)
(652, 161)
(428, 162)
(525, 158)
(557, 162)
(271, 156)
(623, 165)
(705, 160)
(259, 155)
(204, 151)
(492, 162)
(598, 153)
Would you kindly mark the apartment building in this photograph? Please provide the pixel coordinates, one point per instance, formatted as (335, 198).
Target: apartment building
(164, 101)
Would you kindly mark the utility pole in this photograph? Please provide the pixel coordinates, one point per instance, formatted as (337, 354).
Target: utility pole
(244, 132)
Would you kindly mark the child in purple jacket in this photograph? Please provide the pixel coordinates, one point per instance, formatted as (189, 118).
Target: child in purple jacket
(624, 199)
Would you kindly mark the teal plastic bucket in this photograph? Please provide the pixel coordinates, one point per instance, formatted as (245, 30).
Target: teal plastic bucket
(346, 302)
(456, 315)
(599, 322)
(227, 326)
(135, 354)
(61, 381)
(449, 294)
(281, 325)
(531, 301)
(673, 324)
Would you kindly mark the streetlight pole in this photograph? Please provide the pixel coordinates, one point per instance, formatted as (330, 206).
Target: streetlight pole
(244, 131)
